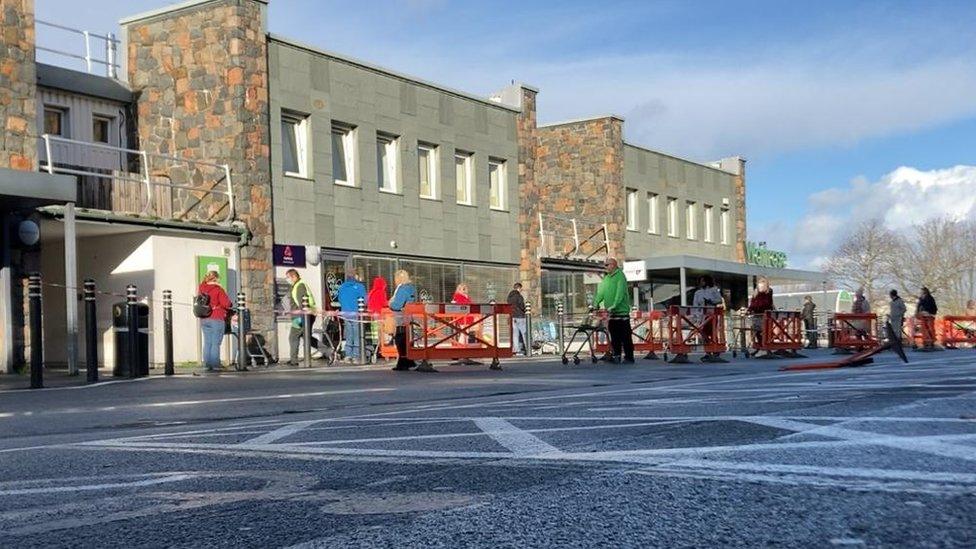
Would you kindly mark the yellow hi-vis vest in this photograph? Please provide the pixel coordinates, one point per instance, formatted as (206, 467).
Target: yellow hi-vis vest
(308, 292)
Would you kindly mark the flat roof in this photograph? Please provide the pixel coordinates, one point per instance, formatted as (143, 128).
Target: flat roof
(676, 157)
(578, 120)
(732, 267)
(389, 72)
(103, 87)
(33, 188)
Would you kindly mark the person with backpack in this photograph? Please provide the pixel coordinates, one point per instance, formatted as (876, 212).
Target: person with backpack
(211, 306)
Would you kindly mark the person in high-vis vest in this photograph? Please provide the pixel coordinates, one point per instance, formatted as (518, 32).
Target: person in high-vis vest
(300, 291)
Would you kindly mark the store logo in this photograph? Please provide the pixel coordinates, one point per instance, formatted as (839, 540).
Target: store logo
(757, 254)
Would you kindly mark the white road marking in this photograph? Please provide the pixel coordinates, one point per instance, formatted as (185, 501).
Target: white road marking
(93, 487)
(279, 433)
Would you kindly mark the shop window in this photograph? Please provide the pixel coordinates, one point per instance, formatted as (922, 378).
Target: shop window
(497, 184)
(488, 284)
(343, 154)
(462, 177)
(294, 141)
(632, 219)
(427, 166)
(435, 282)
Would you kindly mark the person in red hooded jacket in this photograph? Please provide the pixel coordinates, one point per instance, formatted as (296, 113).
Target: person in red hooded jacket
(376, 299)
(213, 326)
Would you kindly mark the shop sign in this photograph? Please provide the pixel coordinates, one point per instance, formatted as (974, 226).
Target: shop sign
(289, 255)
(207, 263)
(758, 255)
(635, 271)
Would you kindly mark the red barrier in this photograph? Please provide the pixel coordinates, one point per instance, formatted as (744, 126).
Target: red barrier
(855, 331)
(691, 328)
(648, 333)
(923, 332)
(782, 331)
(444, 331)
(958, 329)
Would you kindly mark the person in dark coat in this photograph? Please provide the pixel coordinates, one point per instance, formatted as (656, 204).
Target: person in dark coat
(808, 314)
(925, 311)
(519, 323)
(760, 302)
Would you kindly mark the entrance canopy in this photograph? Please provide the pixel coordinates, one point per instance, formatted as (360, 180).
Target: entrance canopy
(701, 265)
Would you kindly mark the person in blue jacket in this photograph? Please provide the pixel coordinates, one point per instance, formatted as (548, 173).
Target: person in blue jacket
(404, 293)
(349, 295)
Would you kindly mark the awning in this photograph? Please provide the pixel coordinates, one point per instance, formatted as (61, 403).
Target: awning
(693, 263)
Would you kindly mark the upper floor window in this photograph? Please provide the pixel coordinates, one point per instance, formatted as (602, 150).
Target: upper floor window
(709, 231)
(386, 162)
(632, 219)
(101, 128)
(672, 216)
(652, 220)
(462, 177)
(343, 154)
(497, 184)
(294, 143)
(724, 226)
(56, 121)
(427, 165)
(691, 222)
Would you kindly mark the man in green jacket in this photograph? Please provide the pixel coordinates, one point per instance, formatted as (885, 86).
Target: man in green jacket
(613, 295)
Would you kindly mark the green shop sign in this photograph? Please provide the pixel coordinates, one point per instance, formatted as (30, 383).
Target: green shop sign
(758, 255)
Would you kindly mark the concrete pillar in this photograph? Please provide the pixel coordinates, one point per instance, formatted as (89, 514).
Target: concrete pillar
(6, 300)
(71, 287)
(683, 285)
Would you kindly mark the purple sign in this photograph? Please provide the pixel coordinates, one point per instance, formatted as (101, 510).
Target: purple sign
(289, 255)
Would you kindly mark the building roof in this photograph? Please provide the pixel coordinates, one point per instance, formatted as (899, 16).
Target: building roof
(682, 159)
(732, 267)
(50, 76)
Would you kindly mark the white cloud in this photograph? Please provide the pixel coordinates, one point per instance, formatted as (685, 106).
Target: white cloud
(905, 197)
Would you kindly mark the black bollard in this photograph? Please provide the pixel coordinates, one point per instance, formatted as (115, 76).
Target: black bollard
(361, 308)
(307, 329)
(34, 310)
(91, 332)
(560, 315)
(528, 328)
(132, 341)
(242, 329)
(168, 366)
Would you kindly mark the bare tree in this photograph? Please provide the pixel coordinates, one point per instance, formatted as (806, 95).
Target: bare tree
(862, 260)
(941, 255)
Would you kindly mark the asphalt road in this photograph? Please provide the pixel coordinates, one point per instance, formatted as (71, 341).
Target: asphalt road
(538, 455)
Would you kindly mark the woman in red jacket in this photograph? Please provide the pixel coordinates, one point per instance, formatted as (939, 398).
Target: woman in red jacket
(761, 302)
(213, 325)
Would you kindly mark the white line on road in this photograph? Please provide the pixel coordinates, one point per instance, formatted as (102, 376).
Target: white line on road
(93, 487)
(279, 433)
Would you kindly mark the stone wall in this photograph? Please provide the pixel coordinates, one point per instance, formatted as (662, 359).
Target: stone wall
(201, 76)
(739, 203)
(18, 89)
(529, 263)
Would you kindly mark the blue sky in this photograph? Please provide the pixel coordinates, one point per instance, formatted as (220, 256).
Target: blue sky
(816, 95)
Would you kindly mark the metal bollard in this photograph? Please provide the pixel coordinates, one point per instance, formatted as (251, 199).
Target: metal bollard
(91, 332)
(560, 320)
(168, 367)
(528, 328)
(361, 308)
(132, 341)
(307, 333)
(242, 329)
(34, 310)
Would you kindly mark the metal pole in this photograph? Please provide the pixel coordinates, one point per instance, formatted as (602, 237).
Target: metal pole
(307, 328)
(361, 308)
(110, 55)
(36, 351)
(528, 328)
(559, 320)
(243, 319)
(168, 332)
(132, 343)
(71, 287)
(683, 286)
(91, 332)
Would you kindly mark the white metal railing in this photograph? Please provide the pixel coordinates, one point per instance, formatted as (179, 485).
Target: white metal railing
(109, 46)
(150, 170)
(572, 238)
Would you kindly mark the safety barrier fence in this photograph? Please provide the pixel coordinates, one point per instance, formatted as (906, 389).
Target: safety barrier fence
(958, 330)
(696, 328)
(649, 333)
(854, 331)
(440, 331)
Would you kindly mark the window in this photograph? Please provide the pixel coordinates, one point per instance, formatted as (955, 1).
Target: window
(294, 140)
(652, 225)
(724, 225)
(100, 129)
(709, 233)
(343, 154)
(691, 222)
(672, 216)
(632, 221)
(386, 162)
(55, 121)
(497, 184)
(427, 160)
(462, 177)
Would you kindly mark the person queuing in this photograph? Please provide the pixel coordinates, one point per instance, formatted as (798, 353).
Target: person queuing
(896, 313)
(925, 311)
(971, 308)
(213, 317)
(860, 305)
(377, 301)
(462, 297)
(403, 293)
(612, 294)
(761, 301)
(517, 302)
(299, 292)
(808, 314)
(349, 294)
(707, 295)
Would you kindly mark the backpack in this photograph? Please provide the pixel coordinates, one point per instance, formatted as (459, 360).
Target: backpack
(201, 306)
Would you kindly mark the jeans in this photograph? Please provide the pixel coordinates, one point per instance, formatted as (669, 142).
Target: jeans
(521, 338)
(621, 337)
(213, 333)
(295, 335)
(352, 337)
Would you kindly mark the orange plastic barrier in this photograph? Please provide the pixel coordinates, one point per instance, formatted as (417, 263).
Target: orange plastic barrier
(958, 329)
(923, 331)
(781, 331)
(855, 331)
(648, 333)
(444, 331)
(386, 330)
(691, 328)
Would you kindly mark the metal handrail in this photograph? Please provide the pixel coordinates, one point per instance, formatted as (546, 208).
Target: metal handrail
(111, 48)
(145, 176)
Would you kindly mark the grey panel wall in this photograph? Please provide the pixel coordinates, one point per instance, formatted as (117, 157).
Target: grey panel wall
(318, 211)
(667, 176)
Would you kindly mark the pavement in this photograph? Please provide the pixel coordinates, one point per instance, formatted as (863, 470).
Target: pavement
(537, 455)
